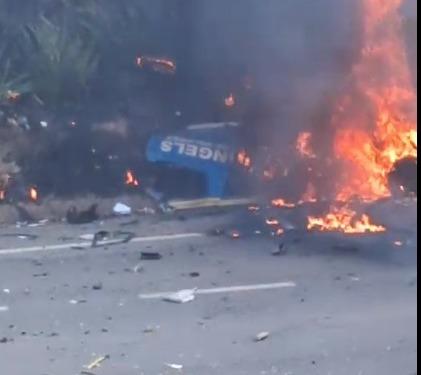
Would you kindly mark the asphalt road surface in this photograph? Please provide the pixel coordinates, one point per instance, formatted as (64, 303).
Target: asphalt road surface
(332, 305)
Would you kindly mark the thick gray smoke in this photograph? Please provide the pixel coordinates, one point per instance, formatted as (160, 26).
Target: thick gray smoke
(292, 53)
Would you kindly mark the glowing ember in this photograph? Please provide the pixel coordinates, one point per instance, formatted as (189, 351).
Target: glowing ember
(230, 101)
(272, 222)
(281, 203)
(244, 159)
(33, 194)
(2, 195)
(303, 145)
(376, 123)
(12, 95)
(269, 174)
(235, 235)
(344, 220)
(279, 232)
(131, 179)
(157, 64)
(254, 208)
(398, 243)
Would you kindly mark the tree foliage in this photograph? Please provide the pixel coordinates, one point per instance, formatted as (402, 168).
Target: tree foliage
(58, 49)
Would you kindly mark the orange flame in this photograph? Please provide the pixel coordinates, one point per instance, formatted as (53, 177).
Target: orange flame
(244, 159)
(33, 194)
(282, 203)
(272, 222)
(344, 220)
(230, 101)
(131, 179)
(377, 125)
(303, 145)
(2, 195)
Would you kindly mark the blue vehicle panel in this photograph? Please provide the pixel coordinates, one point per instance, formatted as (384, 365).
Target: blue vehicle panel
(210, 149)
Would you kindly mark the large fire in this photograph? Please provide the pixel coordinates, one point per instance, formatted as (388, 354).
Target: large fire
(376, 117)
(344, 220)
(374, 122)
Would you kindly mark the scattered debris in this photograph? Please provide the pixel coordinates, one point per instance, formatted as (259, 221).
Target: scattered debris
(157, 64)
(129, 223)
(74, 216)
(97, 362)
(149, 330)
(174, 366)
(262, 336)
(194, 274)
(150, 256)
(39, 223)
(77, 301)
(235, 235)
(21, 236)
(122, 209)
(105, 238)
(182, 296)
(97, 286)
(217, 232)
(279, 250)
(87, 237)
(138, 268)
(146, 211)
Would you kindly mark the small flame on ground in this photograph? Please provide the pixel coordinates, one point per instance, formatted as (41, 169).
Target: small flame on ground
(157, 64)
(344, 220)
(2, 195)
(235, 235)
(279, 232)
(230, 101)
(254, 208)
(131, 179)
(272, 222)
(282, 203)
(33, 194)
(244, 159)
(269, 174)
(12, 95)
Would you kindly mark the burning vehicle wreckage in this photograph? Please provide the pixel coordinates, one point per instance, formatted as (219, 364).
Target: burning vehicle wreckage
(367, 156)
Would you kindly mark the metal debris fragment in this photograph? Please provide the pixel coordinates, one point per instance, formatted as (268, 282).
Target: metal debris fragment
(97, 362)
(182, 296)
(262, 336)
(150, 256)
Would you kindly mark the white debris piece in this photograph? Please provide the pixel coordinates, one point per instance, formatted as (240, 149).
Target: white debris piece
(122, 209)
(182, 296)
(175, 366)
(4, 308)
(262, 336)
(87, 237)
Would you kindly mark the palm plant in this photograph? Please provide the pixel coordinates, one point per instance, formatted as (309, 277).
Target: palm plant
(10, 83)
(62, 63)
